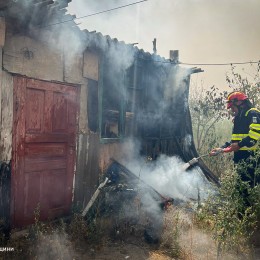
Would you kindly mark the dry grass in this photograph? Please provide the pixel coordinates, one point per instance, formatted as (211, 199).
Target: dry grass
(187, 241)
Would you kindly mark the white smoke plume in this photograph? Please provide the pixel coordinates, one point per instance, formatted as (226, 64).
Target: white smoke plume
(167, 175)
(54, 246)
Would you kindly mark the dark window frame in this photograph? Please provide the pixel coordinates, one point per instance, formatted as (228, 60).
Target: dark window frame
(132, 80)
(121, 116)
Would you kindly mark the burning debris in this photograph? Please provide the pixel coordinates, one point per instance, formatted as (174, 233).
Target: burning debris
(132, 204)
(118, 172)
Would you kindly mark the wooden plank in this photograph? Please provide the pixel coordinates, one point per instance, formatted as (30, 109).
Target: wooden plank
(47, 128)
(91, 65)
(83, 122)
(1, 79)
(73, 63)
(6, 116)
(38, 165)
(87, 175)
(50, 138)
(45, 150)
(2, 31)
(25, 56)
(17, 155)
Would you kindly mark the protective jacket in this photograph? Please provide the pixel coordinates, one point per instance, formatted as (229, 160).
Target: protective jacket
(246, 131)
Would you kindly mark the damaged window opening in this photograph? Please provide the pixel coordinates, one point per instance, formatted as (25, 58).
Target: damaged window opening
(111, 103)
(120, 98)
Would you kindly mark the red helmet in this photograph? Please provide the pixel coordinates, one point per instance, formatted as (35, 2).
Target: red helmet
(235, 96)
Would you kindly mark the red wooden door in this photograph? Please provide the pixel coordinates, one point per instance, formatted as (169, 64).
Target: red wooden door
(44, 140)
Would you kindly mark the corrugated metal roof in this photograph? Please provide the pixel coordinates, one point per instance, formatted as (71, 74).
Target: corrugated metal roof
(34, 12)
(145, 55)
(47, 13)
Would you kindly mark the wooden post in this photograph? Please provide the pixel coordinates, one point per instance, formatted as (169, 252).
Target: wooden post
(94, 197)
(2, 42)
(154, 46)
(2, 31)
(174, 56)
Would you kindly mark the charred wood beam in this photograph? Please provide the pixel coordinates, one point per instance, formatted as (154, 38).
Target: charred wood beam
(132, 175)
(94, 197)
(164, 202)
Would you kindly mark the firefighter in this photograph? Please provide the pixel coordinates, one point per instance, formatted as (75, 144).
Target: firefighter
(245, 134)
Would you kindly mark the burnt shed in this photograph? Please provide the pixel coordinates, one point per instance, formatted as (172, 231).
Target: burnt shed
(69, 101)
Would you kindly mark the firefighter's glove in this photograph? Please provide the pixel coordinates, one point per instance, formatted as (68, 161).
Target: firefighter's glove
(216, 151)
(234, 147)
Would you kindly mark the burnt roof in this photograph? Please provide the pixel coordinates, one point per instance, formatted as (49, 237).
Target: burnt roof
(34, 12)
(48, 13)
(40, 6)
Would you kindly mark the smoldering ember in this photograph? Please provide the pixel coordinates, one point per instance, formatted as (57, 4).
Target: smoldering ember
(87, 118)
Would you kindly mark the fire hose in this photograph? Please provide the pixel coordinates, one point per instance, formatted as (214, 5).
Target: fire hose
(195, 160)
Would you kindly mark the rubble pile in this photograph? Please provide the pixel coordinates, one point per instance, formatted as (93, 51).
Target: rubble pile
(129, 207)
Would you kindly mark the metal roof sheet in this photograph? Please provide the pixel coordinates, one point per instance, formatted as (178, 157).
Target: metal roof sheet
(47, 13)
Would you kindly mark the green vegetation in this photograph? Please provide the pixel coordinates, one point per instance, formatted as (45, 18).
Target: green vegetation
(232, 215)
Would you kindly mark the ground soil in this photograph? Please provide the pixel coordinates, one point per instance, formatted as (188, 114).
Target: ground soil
(194, 246)
(58, 246)
(144, 251)
(124, 250)
(73, 241)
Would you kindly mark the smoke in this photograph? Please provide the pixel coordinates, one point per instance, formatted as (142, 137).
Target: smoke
(188, 141)
(54, 246)
(160, 179)
(200, 30)
(122, 56)
(166, 175)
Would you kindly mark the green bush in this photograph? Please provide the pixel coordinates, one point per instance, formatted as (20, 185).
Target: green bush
(233, 213)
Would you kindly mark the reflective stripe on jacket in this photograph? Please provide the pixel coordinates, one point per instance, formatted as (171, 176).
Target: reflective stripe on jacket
(246, 129)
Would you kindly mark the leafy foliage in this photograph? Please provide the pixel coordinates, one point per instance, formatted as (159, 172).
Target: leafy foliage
(210, 125)
(237, 82)
(210, 120)
(207, 108)
(235, 212)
